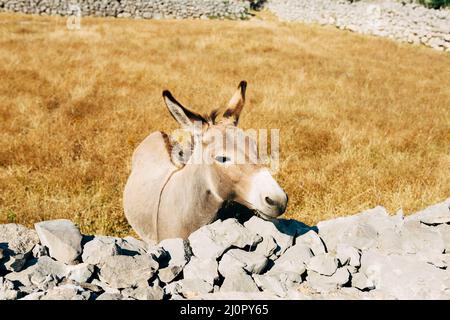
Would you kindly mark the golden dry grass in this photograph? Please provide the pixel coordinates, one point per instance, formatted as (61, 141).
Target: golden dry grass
(364, 121)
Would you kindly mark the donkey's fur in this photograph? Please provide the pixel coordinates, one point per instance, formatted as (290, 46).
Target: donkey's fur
(169, 194)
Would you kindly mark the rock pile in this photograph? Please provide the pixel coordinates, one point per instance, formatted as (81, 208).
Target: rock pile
(147, 9)
(368, 255)
(406, 22)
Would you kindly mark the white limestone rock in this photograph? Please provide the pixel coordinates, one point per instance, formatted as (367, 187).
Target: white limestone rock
(212, 240)
(324, 284)
(361, 282)
(435, 214)
(278, 283)
(44, 274)
(100, 248)
(81, 272)
(312, 240)
(325, 264)
(293, 260)
(144, 293)
(16, 243)
(205, 270)
(266, 228)
(239, 281)
(404, 277)
(127, 271)
(62, 238)
(236, 260)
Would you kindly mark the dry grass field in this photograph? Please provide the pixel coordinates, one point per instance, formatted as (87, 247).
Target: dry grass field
(364, 121)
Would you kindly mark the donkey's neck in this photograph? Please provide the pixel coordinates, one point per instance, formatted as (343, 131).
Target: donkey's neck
(201, 189)
(191, 199)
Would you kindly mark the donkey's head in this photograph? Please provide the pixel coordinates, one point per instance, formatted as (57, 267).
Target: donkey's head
(226, 156)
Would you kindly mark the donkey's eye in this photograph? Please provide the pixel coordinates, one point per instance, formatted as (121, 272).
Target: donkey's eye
(222, 159)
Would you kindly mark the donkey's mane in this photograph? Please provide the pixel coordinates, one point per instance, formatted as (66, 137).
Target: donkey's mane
(212, 116)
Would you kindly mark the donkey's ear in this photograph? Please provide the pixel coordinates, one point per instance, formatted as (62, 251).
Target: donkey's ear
(183, 116)
(236, 104)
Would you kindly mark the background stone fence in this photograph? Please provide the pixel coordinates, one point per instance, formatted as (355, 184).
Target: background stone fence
(147, 9)
(398, 20)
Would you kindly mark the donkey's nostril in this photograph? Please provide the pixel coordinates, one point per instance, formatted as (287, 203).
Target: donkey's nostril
(278, 205)
(269, 201)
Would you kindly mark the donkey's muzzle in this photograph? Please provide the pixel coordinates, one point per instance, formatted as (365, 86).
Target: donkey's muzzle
(277, 203)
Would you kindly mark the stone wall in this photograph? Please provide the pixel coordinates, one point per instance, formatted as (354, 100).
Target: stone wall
(406, 22)
(368, 255)
(147, 9)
